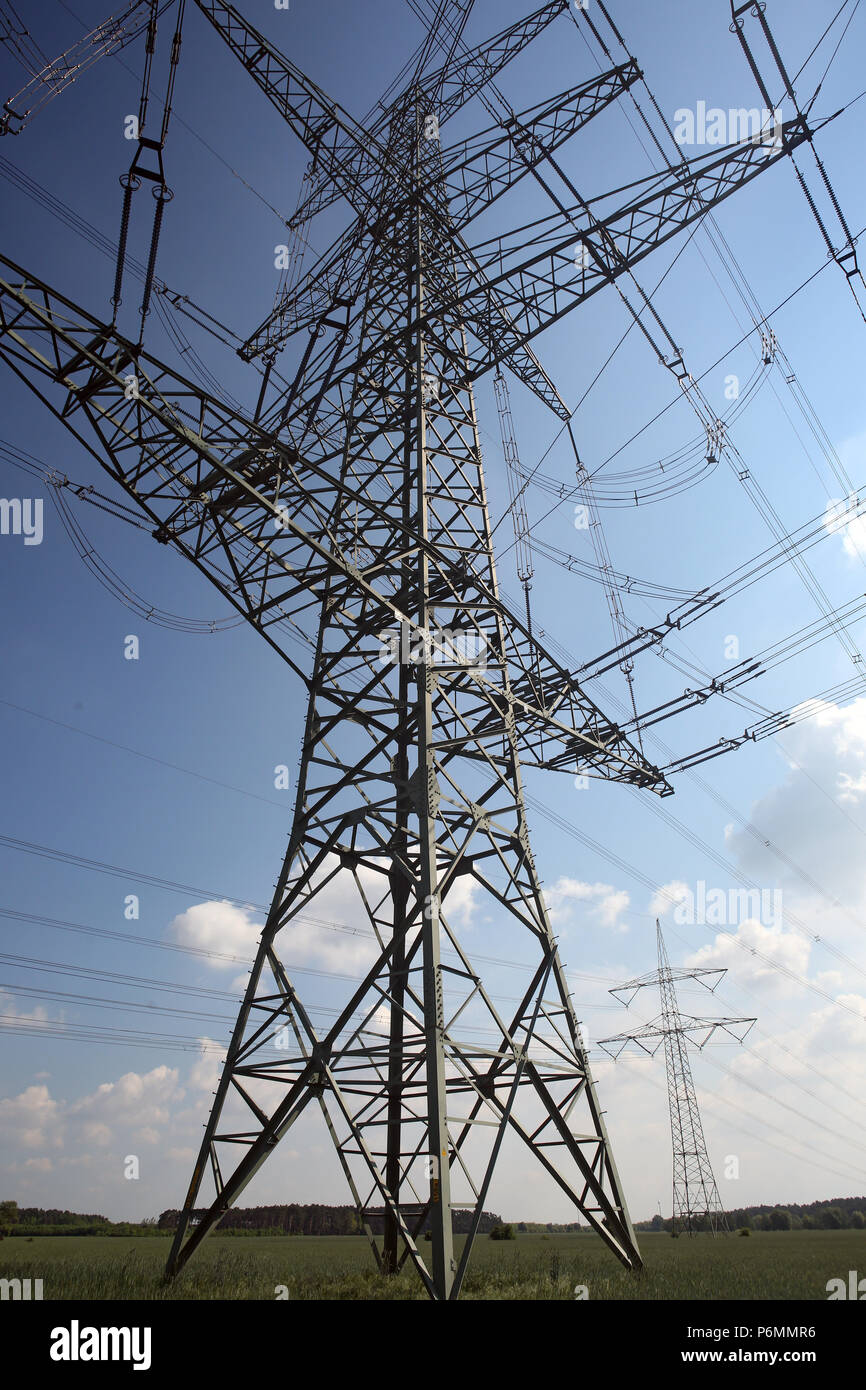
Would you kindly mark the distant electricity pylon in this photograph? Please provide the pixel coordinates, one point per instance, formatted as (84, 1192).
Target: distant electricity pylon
(697, 1205)
(346, 513)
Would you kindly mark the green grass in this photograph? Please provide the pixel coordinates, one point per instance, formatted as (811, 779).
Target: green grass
(783, 1265)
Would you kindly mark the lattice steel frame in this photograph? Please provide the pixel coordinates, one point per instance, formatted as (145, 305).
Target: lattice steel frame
(696, 1204)
(349, 512)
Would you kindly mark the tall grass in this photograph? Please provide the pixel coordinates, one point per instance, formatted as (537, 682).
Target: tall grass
(784, 1265)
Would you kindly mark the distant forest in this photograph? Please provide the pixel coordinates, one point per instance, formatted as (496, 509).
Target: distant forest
(315, 1220)
(294, 1219)
(836, 1214)
(51, 1221)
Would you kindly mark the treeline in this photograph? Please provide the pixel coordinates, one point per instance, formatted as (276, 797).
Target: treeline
(313, 1220)
(550, 1227)
(51, 1221)
(52, 1216)
(294, 1219)
(110, 1228)
(836, 1214)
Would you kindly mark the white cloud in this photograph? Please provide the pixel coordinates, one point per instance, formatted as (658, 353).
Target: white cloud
(667, 897)
(11, 1009)
(460, 903)
(133, 1106)
(737, 951)
(205, 1073)
(827, 765)
(31, 1118)
(220, 927)
(601, 901)
(381, 1020)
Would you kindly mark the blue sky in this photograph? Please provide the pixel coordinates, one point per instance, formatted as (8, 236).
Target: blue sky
(223, 712)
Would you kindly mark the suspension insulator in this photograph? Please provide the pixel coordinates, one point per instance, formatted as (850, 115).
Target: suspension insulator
(162, 195)
(129, 183)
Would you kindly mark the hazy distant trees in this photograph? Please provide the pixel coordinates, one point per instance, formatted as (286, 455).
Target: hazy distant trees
(833, 1214)
(314, 1219)
(780, 1220)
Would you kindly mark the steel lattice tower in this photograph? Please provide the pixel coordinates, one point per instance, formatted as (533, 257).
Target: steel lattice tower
(348, 512)
(696, 1202)
(411, 775)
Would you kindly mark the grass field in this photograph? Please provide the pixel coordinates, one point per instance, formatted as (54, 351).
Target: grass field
(783, 1265)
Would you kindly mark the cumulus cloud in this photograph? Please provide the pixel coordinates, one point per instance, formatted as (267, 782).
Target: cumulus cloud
(11, 1009)
(602, 902)
(205, 1073)
(737, 950)
(134, 1105)
(812, 812)
(331, 931)
(460, 904)
(668, 896)
(31, 1119)
(220, 927)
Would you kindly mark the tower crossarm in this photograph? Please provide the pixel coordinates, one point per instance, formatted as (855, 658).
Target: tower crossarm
(479, 170)
(453, 84)
(703, 974)
(539, 273)
(446, 89)
(262, 522)
(113, 34)
(511, 288)
(360, 162)
(505, 296)
(699, 1031)
(475, 173)
(343, 151)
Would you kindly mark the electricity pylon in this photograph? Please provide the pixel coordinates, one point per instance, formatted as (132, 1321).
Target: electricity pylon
(352, 499)
(696, 1204)
(112, 35)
